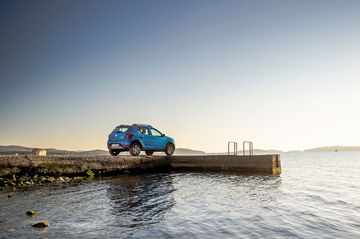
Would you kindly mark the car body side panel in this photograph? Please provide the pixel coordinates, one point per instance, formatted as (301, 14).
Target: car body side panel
(160, 142)
(146, 140)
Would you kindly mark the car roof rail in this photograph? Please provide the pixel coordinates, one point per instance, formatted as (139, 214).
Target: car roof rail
(142, 125)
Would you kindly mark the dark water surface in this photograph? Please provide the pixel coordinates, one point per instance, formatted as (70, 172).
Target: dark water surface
(317, 196)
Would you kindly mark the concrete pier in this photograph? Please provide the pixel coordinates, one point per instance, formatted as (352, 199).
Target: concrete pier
(266, 164)
(109, 165)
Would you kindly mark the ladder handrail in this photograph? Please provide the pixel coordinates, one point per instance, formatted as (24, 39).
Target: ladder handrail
(235, 147)
(251, 149)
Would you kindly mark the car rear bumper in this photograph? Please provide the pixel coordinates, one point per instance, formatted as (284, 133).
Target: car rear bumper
(118, 145)
(115, 146)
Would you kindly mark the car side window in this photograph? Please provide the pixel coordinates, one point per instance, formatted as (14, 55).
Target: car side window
(143, 130)
(155, 132)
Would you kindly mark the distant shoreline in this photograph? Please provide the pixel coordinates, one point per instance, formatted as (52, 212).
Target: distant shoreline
(22, 150)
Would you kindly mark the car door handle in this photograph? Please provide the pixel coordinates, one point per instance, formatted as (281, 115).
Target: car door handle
(141, 136)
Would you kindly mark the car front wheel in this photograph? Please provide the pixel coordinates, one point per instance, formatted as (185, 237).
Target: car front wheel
(170, 149)
(114, 152)
(135, 149)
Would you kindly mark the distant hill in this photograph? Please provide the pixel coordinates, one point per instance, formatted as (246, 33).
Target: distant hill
(266, 150)
(95, 151)
(333, 149)
(13, 149)
(188, 151)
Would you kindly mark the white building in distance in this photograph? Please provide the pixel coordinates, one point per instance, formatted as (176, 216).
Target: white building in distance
(39, 152)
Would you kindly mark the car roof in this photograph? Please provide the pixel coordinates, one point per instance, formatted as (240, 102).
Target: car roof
(126, 125)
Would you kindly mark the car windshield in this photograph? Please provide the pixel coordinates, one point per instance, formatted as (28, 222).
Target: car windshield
(120, 129)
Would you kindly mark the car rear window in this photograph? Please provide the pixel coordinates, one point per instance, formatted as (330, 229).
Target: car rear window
(120, 129)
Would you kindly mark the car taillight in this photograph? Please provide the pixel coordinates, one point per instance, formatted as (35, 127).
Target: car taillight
(128, 136)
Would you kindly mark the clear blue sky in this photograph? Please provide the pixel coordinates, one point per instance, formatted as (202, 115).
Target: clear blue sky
(284, 74)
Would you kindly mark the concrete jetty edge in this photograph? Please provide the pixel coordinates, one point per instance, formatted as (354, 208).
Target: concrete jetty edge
(266, 164)
(109, 165)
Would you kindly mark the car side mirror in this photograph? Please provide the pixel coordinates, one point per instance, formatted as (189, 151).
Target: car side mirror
(162, 135)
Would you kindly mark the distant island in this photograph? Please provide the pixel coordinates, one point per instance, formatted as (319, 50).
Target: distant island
(333, 149)
(317, 149)
(16, 149)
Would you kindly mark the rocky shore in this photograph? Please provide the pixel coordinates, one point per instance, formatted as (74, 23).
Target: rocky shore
(23, 181)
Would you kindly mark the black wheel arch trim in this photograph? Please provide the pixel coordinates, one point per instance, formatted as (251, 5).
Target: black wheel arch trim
(137, 141)
(170, 143)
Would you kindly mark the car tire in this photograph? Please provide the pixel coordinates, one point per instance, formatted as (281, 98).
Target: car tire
(170, 149)
(114, 152)
(149, 152)
(135, 149)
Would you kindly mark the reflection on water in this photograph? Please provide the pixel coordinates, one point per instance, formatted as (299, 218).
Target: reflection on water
(140, 200)
(315, 197)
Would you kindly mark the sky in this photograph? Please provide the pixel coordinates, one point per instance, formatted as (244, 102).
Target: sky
(283, 74)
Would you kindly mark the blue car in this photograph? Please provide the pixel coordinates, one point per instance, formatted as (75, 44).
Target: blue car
(139, 137)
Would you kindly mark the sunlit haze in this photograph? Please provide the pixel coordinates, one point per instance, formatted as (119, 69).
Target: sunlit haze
(284, 74)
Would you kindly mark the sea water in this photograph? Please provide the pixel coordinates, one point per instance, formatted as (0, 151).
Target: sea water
(316, 196)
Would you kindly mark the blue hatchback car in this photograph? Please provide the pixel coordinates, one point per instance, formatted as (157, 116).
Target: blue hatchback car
(139, 137)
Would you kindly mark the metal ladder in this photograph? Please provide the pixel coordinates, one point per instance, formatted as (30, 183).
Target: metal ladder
(251, 148)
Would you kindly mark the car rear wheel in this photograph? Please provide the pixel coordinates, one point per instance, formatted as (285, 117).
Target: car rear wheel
(135, 149)
(114, 152)
(149, 152)
(170, 149)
